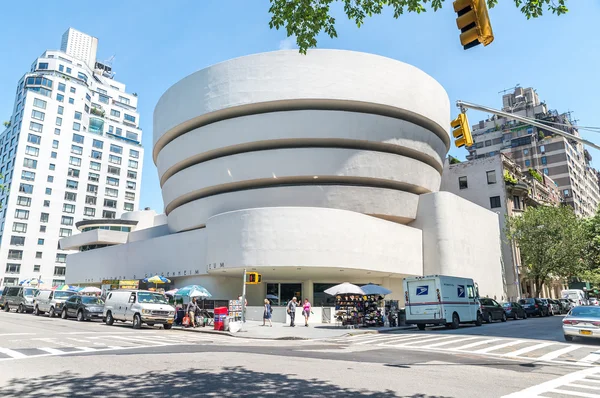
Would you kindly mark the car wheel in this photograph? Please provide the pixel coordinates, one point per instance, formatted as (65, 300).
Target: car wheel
(568, 338)
(109, 318)
(524, 315)
(80, 317)
(479, 319)
(504, 317)
(167, 326)
(63, 314)
(51, 312)
(489, 318)
(455, 321)
(21, 309)
(515, 316)
(137, 321)
(421, 326)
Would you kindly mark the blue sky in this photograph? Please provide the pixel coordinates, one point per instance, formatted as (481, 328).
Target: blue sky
(157, 43)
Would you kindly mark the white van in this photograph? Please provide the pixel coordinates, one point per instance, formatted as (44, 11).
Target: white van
(441, 300)
(576, 296)
(138, 306)
(50, 301)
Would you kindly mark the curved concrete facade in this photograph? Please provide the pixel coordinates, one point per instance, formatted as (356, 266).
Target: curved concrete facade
(284, 129)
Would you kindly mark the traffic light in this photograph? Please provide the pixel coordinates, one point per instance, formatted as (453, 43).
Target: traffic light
(461, 131)
(253, 278)
(474, 23)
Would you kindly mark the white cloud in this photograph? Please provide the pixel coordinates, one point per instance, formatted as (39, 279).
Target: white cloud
(288, 43)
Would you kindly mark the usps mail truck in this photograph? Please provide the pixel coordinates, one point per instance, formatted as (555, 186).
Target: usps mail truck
(441, 300)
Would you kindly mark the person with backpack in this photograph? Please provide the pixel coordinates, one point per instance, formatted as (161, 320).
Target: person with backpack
(268, 313)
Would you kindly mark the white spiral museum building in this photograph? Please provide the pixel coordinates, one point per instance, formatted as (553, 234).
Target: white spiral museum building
(310, 169)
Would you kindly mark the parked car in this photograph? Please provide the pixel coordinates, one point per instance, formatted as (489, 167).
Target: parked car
(50, 301)
(593, 301)
(566, 305)
(138, 306)
(491, 310)
(534, 307)
(514, 310)
(20, 298)
(553, 306)
(2, 293)
(83, 308)
(582, 321)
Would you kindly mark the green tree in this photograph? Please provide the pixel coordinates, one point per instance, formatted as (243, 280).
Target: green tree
(305, 19)
(591, 229)
(551, 241)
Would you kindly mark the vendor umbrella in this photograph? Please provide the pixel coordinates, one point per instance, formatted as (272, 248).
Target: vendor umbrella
(344, 288)
(375, 289)
(171, 292)
(156, 279)
(193, 291)
(90, 289)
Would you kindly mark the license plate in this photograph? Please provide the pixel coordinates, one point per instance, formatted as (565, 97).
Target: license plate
(585, 332)
(170, 321)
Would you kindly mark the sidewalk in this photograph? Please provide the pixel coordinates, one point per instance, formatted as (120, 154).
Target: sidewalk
(280, 331)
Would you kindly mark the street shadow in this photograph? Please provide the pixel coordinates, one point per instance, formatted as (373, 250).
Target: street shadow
(232, 381)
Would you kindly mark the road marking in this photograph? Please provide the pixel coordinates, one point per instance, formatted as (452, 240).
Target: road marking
(527, 349)
(140, 340)
(77, 340)
(51, 350)
(382, 338)
(574, 385)
(497, 347)
(589, 359)
(86, 349)
(574, 393)
(475, 344)
(17, 334)
(427, 340)
(552, 385)
(12, 353)
(409, 338)
(449, 342)
(557, 353)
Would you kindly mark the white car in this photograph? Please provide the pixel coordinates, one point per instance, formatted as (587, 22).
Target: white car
(582, 321)
(138, 307)
(594, 301)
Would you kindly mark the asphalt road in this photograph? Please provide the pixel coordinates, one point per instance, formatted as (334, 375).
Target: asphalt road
(41, 357)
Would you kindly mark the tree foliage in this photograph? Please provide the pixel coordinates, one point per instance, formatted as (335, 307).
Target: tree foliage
(591, 230)
(306, 19)
(551, 241)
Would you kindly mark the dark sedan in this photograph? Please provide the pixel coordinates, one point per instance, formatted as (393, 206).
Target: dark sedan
(491, 310)
(514, 310)
(83, 308)
(534, 306)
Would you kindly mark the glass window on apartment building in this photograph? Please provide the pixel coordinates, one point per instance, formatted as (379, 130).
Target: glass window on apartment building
(495, 202)
(544, 160)
(545, 171)
(491, 177)
(517, 202)
(525, 151)
(462, 182)
(527, 163)
(542, 148)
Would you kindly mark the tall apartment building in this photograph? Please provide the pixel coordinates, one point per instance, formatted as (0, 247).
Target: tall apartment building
(500, 185)
(71, 151)
(566, 161)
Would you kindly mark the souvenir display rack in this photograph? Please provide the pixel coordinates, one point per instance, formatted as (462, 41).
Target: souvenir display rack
(373, 316)
(349, 309)
(235, 310)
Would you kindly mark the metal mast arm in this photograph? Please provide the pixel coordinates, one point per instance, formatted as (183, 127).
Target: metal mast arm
(511, 116)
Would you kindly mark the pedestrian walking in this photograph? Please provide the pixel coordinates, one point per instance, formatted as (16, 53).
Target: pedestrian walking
(306, 311)
(191, 311)
(291, 309)
(268, 313)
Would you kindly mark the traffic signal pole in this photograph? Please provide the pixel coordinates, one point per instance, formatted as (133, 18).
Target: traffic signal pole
(510, 116)
(244, 301)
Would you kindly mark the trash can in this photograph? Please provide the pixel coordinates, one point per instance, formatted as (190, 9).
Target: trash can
(220, 316)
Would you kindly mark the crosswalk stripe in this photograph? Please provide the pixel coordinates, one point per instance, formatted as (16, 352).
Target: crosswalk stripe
(410, 338)
(449, 342)
(51, 350)
(380, 339)
(86, 349)
(475, 344)
(526, 350)
(574, 393)
(12, 353)
(557, 353)
(497, 347)
(140, 340)
(589, 359)
(575, 385)
(404, 344)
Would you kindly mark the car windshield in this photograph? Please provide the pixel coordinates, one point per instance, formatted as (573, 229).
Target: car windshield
(506, 305)
(586, 312)
(63, 295)
(29, 292)
(151, 298)
(92, 300)
(527, 301)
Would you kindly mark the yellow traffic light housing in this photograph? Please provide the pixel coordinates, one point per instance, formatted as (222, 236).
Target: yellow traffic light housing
(253, 278)
(474, 23)
(462, 131)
